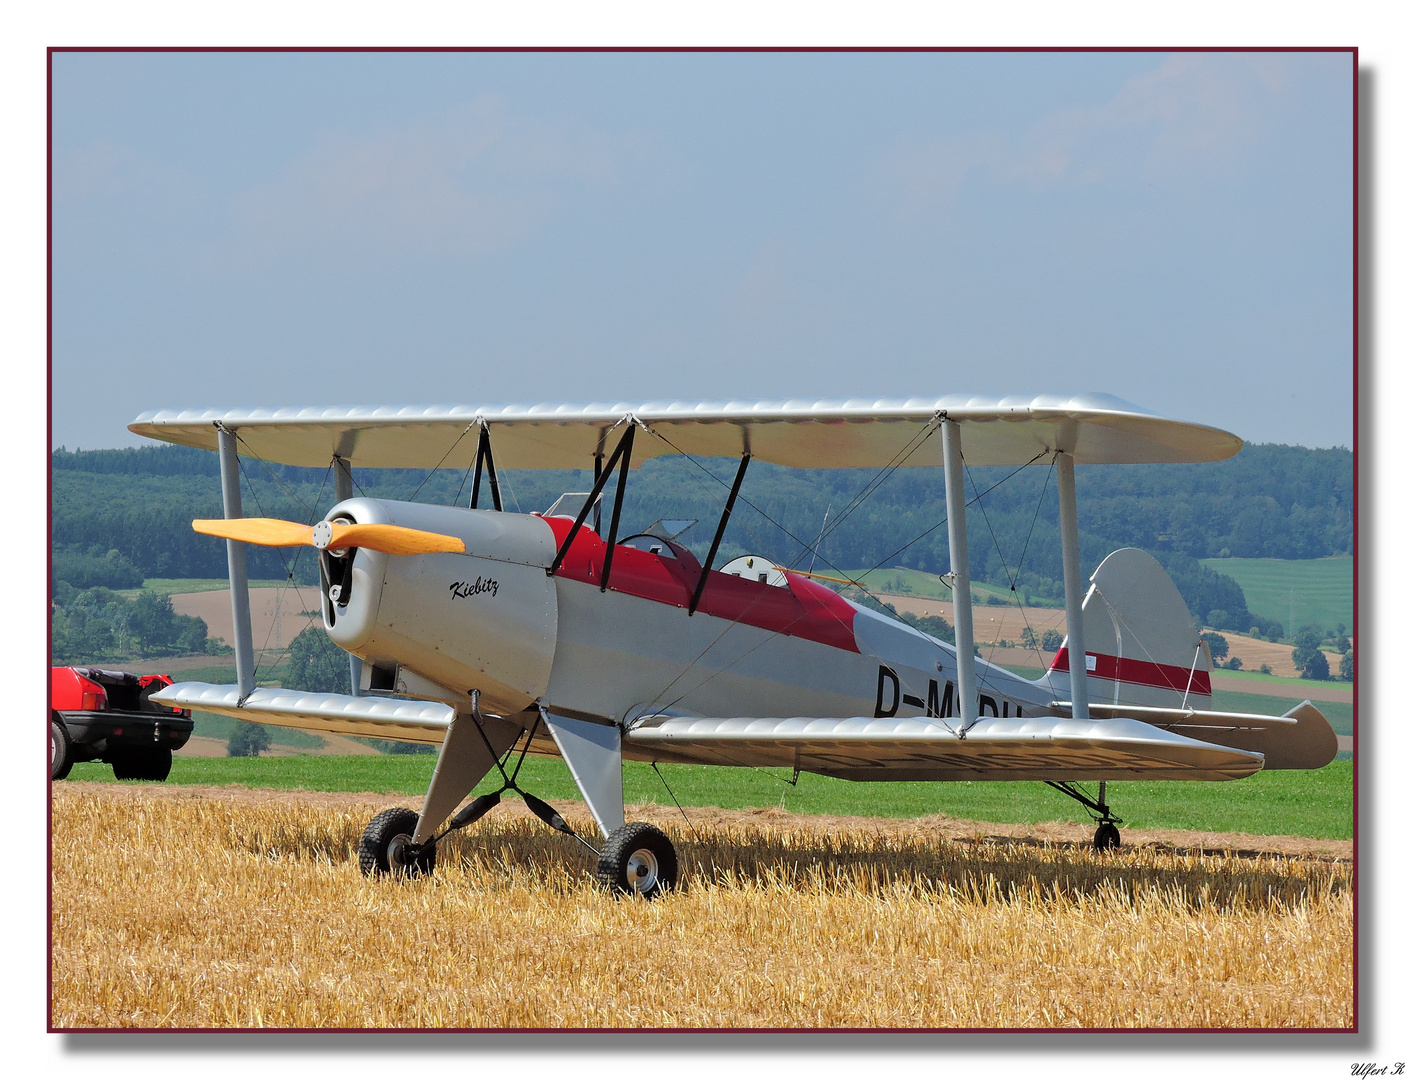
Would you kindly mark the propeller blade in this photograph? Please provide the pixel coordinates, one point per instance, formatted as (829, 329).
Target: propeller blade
(392, 539)
(269, 532)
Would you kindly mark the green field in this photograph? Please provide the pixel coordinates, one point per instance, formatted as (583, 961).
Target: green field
(905, 582)
(1302, 686)
(170, 586)
(1338, 713)
(1296, 592)
(1315, 804)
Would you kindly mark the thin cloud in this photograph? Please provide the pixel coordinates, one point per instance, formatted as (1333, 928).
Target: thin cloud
(1193, 115)
(477, 182)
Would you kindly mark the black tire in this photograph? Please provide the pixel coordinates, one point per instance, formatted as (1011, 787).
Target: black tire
(146, 764)
(638, 860)
(385, 846)
(60, 750)
(1107, 837)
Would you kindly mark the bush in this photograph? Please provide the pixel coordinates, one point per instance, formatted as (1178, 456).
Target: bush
(1234, 663)
(248, 740)
(315, 664)
(395, 746)
(936, 626)
(1347, 667)
(158, 629)
(1052, 641)
(1308, 658)
(1314, 665)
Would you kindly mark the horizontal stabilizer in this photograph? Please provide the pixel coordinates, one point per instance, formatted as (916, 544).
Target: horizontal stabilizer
(1299, 739)
(917, 748)
(406, 719)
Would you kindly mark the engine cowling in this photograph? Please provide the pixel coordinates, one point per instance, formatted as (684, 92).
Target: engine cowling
(484, 620)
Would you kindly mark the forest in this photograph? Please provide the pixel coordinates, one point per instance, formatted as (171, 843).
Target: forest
(121, 516)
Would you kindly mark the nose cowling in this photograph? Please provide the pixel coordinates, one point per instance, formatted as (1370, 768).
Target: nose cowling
(484, 620)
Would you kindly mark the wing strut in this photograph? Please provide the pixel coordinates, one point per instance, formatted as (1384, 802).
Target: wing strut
(238, 567)
(717, 536)
(1073, 593)
(953, 464)
(484, 454)
(627, 445)
(341, 473)
(600, 480)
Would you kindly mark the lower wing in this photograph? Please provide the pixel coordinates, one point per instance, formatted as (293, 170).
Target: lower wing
(917, 748)
(334, 714)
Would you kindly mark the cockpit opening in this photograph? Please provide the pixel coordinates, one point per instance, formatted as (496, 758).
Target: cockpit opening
(756, 568)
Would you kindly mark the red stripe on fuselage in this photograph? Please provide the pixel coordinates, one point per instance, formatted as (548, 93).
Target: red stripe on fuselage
(1141, 672)
(803, 610)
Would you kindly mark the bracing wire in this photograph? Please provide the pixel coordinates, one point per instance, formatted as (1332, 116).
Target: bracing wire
(441, 461)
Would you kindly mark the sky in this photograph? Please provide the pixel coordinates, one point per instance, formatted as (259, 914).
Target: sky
(269, 229)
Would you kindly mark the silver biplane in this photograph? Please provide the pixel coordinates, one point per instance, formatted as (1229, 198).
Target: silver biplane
(490, 633)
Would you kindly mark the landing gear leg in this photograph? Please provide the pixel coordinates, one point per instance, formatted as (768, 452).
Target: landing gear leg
(1106, 837)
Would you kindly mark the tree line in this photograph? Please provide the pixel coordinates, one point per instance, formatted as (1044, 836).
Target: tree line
(119, 513)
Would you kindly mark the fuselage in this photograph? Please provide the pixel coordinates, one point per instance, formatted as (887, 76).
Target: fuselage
(494, 620)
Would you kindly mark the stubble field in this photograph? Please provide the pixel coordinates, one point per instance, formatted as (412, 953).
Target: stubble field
(181, 908)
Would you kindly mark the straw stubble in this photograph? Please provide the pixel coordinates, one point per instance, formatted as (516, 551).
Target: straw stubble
(231, 912)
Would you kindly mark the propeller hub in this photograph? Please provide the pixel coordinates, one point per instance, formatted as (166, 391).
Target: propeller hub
(322, 535)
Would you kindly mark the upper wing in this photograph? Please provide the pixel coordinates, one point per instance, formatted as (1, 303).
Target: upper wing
(409, 720)
(1095, 428)
(915, 748)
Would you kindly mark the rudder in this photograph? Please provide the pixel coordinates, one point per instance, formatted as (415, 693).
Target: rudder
(1143, 647)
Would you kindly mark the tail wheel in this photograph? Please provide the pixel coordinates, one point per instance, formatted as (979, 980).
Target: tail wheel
(386, 847)
(60, 750)
(1107, 837)
(638, 860)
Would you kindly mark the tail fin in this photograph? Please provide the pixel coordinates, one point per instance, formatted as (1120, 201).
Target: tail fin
(1141, 642)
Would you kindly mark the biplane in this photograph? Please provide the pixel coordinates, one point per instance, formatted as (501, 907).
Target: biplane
(492, 634)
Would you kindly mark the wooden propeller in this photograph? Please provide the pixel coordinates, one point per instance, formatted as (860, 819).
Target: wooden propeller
(271, 532)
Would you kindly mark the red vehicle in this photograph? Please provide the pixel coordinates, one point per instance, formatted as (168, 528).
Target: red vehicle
(99, 715)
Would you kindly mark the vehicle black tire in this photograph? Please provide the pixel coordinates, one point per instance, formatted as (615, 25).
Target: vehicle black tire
(145, 764)
(155, 764)
(1107, 837)
(60, 750)
(638, 860)
(386, 849)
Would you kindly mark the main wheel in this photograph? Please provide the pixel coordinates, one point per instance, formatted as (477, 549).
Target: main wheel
(1106, 837)
(638, 860)
(386, 848)
(60, 751)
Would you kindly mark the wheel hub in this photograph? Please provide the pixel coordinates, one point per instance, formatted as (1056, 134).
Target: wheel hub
(642, 870)
(397, 852)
